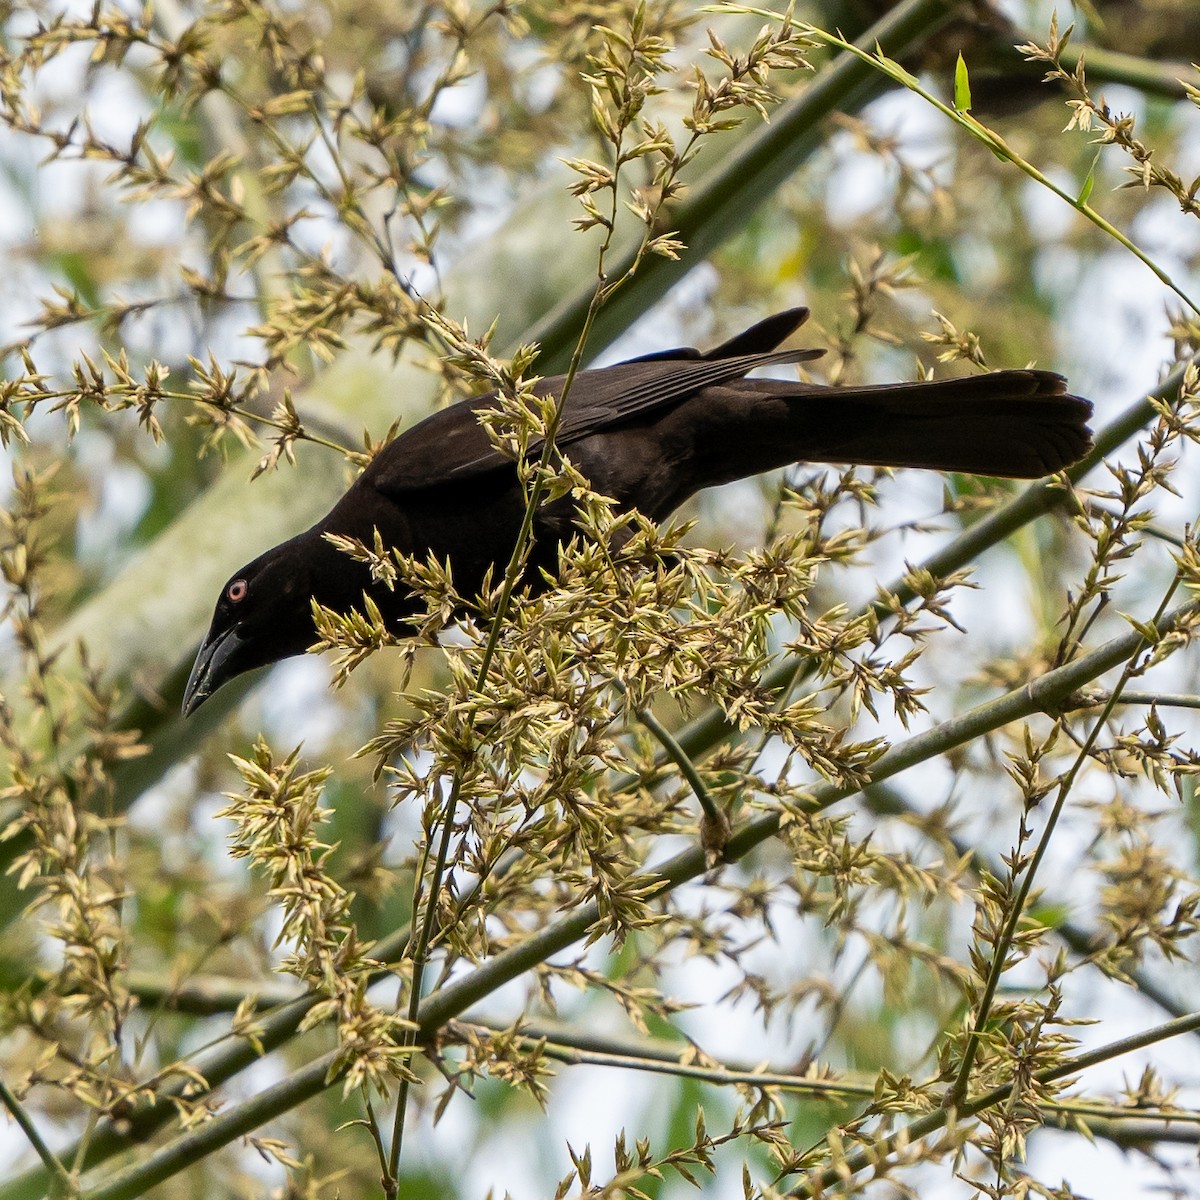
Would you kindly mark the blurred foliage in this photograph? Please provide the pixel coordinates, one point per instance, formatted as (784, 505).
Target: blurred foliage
(458, 924)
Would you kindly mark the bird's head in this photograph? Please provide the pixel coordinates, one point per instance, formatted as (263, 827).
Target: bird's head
(263, 614)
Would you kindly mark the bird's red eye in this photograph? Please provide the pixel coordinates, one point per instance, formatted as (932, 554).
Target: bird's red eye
(237, 590)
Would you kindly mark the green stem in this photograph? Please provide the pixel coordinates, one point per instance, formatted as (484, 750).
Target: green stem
(996, 144)
(922, 1127)
(712, 728)
(627, 1054)
(1044, 693)
(1160, 699)
(747, 176)
(61, 1182)
(1017, 910)
(227, 1058)
(686, 767)
(886, 801)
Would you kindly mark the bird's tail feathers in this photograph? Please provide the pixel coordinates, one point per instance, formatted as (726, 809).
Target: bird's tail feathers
(1016, 424)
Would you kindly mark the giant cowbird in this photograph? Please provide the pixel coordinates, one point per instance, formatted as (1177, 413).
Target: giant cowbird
(648, 433)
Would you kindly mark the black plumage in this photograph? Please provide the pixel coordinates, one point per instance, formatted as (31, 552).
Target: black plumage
(649, 433)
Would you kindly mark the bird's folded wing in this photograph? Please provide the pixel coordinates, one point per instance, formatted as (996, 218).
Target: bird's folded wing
(451, 445)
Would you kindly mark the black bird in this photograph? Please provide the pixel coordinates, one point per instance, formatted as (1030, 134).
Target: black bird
(649, 433)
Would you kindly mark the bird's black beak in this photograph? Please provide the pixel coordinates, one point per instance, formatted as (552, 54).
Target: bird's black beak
(214, 666)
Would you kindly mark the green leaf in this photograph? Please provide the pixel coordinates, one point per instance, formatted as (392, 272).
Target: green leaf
(962, 86)
(1090, 181)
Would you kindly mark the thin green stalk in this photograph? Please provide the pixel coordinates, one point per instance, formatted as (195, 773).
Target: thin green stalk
(720, 1076)
(868, 1156)
(884, 800)
(1117, 1114)
(988, 137)
(747, 176)
(1160, 699)
(1130, 1133)
(686, 767)
(300, 432)
(710, 728)
(376, 1132)
(570, 1039)
(647, 1055)
(420, 953)
(1004, 942)
(512, 575)
(61, 1183)
(1045, 693)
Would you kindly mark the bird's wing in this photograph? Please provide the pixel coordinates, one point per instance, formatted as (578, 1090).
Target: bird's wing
(601, 399)
(451, 445)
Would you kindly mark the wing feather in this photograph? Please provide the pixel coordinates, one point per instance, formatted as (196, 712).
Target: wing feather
(451, 445)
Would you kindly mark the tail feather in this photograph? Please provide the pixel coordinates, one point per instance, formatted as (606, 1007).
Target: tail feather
(1016, 424)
